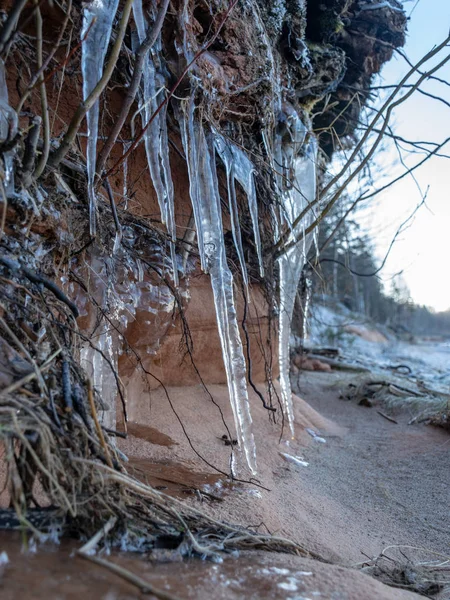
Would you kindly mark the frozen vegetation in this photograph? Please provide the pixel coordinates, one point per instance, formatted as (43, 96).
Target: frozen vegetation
(98, 17)
(296, 183)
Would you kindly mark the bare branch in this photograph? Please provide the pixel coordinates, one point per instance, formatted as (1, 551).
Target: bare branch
(85, 106)
(141, 56)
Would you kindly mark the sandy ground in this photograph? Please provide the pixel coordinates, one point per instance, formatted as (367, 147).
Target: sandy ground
(390, 482)
(372, 484)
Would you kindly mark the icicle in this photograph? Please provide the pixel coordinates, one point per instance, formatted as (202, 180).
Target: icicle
(100, 372)
(126, 147)
(208, 219)
(306, 307)
(98, 17)
(8, 130)
(227, 158)
(240, 168)
(300, 172)
(385, 4)
(189, 141)
(156, 139)
(253, 208)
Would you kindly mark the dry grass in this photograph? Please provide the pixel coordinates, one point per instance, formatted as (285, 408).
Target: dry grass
(414, 569)
(423, 405)
(57, 454)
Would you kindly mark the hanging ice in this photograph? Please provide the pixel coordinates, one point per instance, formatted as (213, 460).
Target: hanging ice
(98, 17)
(240, 168)
(156, 139)
(205, 199)
(8, 129)
(99, 359)
(100, 370)
(227, 158)
(297, 181)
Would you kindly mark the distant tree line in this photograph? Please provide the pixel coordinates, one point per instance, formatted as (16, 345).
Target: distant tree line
(348, 270)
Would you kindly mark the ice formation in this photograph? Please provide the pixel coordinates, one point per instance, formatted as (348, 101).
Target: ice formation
(315, 436)
(239, 168)
(307, 303)
(121, 286)
(203, 187)
(102, 360)
(297, 183)
(294, 163)
(98, 17)
(156, 138)
(94, 359)
(8, 129)
(377, 6)
(226, 156)
(297, 460)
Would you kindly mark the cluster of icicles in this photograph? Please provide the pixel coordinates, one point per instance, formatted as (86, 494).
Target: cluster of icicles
(295, 167)
(121, 285)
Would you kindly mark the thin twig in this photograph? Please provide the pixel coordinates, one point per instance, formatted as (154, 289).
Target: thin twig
(24, 380)
(117, 224)
(101, 437)
(382, 414)
(44, 105)
(141, 56)
(67, 386)
(187, 68)
(249, 358)
(41, 466)
(143, 490)
(29, 154)
(85, 106)
(92, 544)
(37, 76)
(399, 231)
(388, 106)
(14, 265)
(22, 348)
(144, 586)
(11, 21)
(63, 64)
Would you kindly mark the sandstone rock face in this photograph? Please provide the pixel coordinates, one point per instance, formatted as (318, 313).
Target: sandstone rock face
(310, 51)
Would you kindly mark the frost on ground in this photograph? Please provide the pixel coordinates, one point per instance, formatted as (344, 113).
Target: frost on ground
(405, 376)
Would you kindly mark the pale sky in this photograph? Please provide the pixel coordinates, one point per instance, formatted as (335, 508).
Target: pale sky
(423, 251)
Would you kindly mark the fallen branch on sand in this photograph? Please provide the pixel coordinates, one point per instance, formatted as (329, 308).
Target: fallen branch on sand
(411, 568)
(86, 552)
(340, 365)
(387, 417)
(421, 404)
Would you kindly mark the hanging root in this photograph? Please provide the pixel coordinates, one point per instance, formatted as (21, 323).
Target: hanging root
(63, 472)
(418, 570)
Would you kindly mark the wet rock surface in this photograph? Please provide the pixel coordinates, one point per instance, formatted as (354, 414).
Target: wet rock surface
(57, 573)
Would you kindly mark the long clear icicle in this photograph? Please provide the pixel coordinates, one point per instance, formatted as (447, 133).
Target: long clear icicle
(208, 220)
(156, 139)
(227, 158)
(301, 172)
(98, 17)
(240, 168)
(8, 129)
